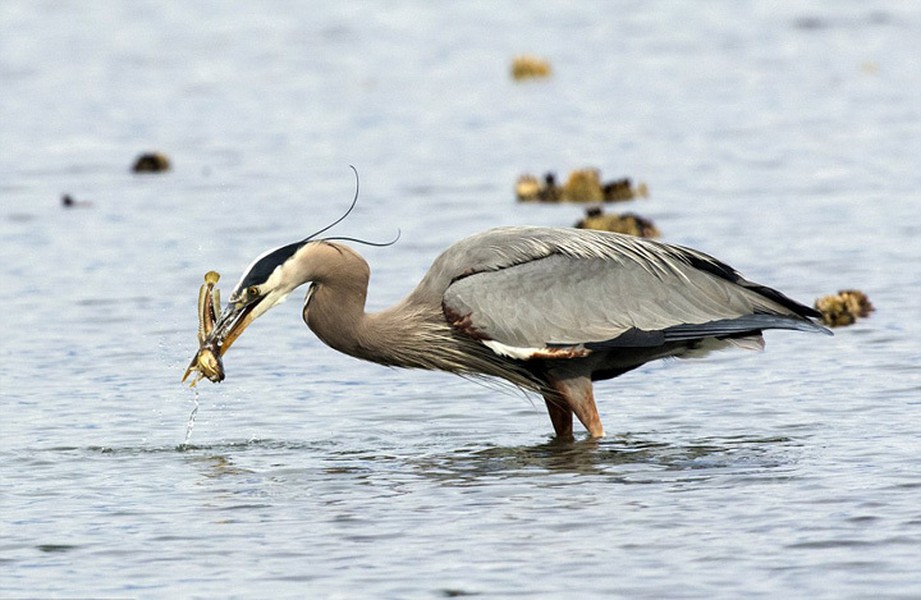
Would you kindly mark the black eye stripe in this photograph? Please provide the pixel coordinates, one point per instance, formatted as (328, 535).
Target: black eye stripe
(259, 272)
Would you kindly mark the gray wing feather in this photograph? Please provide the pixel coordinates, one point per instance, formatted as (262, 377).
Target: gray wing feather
(538, 287)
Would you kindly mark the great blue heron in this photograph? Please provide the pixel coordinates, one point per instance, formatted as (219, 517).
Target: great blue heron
(549, 310)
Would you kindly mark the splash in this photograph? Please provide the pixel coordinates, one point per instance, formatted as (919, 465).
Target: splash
(191, 424)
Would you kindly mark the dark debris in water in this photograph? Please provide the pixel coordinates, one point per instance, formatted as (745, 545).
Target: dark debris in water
(817, 23)
(457, 593)
(68, 201)
(151, 162)
(51, 548)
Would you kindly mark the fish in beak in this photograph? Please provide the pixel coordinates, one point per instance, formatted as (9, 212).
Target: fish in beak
(217, 333)
(207, 362)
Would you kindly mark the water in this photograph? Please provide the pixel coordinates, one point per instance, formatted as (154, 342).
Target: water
(783, 138)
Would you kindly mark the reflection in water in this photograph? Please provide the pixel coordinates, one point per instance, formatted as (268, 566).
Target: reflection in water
(220, 447)
(626, 458)
(214, 466)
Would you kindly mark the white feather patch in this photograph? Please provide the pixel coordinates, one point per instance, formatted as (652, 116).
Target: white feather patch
(511, 351)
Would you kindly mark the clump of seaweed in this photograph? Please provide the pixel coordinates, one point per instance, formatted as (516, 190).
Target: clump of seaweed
(844, 308)
(582, 185)
(628, 223)
(529, 189)
(526, 66)
(620, 190)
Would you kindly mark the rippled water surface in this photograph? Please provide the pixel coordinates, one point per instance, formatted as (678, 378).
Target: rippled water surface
(782, 137)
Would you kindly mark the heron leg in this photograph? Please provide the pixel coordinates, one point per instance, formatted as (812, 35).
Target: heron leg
(560, 415)
(577, 394)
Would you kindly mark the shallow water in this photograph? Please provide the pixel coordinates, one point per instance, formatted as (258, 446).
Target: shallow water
(779, 137)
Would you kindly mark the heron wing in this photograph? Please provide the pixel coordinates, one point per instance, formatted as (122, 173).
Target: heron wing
(626, 292)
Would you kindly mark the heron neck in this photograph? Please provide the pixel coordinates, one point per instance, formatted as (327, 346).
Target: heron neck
(336, 312)
(396, 336)
(412, 333)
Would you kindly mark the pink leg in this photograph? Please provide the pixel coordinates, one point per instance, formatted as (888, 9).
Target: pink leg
(560, 415)
(577, 394)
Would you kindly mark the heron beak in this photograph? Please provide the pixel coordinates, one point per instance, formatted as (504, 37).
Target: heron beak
(230, 325)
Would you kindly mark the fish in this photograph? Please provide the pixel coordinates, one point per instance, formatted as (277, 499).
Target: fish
(207, 361)
(209, 305)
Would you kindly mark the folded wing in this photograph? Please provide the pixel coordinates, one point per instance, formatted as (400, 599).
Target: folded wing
(612, 297)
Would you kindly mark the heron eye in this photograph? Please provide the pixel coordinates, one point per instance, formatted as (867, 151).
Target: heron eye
(252, 292)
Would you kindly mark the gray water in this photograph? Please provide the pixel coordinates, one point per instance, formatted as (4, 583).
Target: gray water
(783, 137)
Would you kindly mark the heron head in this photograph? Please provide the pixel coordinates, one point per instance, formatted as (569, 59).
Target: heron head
(264, 284)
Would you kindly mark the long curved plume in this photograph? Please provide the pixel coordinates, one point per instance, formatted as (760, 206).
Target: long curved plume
(365, 242)
(347, 212)
(343, 217)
